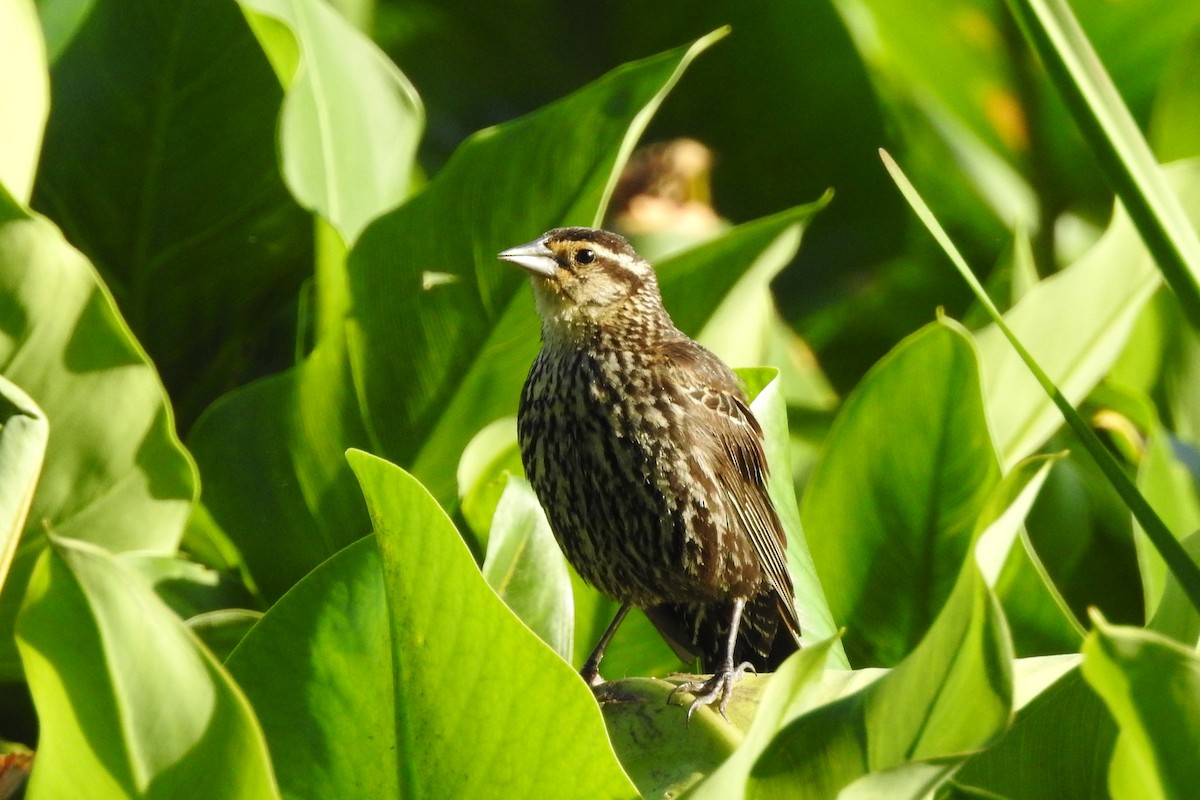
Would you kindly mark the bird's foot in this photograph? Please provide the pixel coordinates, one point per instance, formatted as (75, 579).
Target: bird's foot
(716, 689)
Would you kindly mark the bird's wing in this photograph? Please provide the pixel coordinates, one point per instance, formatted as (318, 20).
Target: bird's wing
(734, 435)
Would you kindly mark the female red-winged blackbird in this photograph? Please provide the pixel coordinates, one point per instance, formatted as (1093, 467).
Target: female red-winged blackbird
(643, 451)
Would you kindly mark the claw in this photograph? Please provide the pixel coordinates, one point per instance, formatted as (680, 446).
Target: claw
(717, 689)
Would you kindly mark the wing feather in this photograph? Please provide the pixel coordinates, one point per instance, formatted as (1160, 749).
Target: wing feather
(737, 437)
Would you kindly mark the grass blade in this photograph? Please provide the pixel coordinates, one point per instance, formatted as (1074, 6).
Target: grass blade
(1118, 145)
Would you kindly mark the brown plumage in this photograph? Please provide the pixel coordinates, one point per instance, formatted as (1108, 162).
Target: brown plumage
(642, 449)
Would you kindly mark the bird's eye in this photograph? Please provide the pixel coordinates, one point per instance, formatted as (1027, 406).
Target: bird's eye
(585, 256)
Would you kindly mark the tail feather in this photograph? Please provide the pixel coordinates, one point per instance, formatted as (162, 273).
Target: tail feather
(701, 630)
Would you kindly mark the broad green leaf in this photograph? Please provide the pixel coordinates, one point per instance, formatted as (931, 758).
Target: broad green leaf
(458, 360)
(23, 434)
(24, 96)
(1114, 139)
(350, 121)
(1103, 293)
(318, 670)
(458, 650)
(663, 754)
(719, 277)
(278, 435)
(1143, 359)
(1151, 686)
(130, 705)
(159, 163)
(525, 567)
(1177, 560)
(60, 22)
(1056, 749)
(1138, 44)
(295, 427)
(114, 472)
(911, 721)
(892, 503)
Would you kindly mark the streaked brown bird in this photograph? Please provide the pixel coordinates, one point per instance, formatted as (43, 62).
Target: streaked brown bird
(642, 449)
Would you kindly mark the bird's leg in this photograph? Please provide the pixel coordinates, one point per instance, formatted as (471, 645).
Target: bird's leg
(719, 687)
(591, 668)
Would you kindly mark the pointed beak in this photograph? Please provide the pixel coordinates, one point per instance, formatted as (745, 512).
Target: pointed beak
(535, 258)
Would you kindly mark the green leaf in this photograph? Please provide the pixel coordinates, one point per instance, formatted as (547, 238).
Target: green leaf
(962, 67)
(114, 473)
(1151, 686)
(483, 472)
(161, 168)
(1104, 291)
(525, 567)
(906, 732)
(453, 660)
(350, 121)
(24, 96)
(999, 522)
(187, 587)
(892, 503)
(1056, 749)
(23, 435)
(1177, 560)
(457, 362)
(1117, 144)
(1040, 617)
(129, 704)
(279, 435)
(318, 669)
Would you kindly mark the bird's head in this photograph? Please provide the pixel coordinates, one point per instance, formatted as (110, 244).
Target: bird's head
(584, 277)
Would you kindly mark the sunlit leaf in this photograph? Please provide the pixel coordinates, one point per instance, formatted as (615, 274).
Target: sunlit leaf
(525, 567)
(891, 505)
(162, 169)
(24, 96)
(131, 706)
(350, 121)
(1151, 686)
(23, 434)
(114, 473)
(451, 659)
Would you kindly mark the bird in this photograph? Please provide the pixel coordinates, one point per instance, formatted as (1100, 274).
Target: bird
(649, 464)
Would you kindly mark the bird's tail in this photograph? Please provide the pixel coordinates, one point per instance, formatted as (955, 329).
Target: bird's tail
(701, 629)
